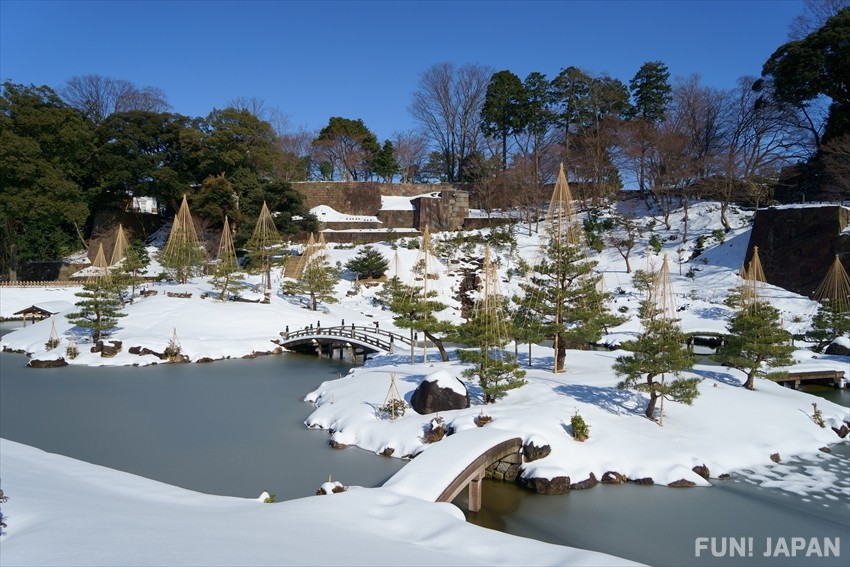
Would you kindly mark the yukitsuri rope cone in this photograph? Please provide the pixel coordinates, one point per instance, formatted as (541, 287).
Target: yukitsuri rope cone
(225, 259)
(102, 274)
(263, 242)
(835, 287)
(120, 248)
(183, 251)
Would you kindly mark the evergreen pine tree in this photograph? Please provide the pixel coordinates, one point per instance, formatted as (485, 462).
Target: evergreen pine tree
(757, 338)
(127, 272)
(369, 263)
(831, 321)
(656, 352)
(98, 309)
(316, 281)
(562, 298)
(496, 370)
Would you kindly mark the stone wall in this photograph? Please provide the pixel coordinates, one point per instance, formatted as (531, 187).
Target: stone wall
(363, 197)
(797, 245)
(445, 213)
(353, 198)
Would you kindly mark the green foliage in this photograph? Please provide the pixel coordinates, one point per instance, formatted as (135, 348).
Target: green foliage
(562, 299)
(369, 263)
(45, 147)
(173, 350)
(719, 235)
(349, 146)
(817, 65)
(831, 321)
(270, 499)
(757, 340)
(317, 282)
(502, 112)
(595, 228)
(495, 369)
(581, 431)
(384, 164)
(655, 243)
(51, 344)
(651, 91)
(72, 352)
(216, 199)
(98, 309)
(658, 351)
(643, 280)
(183, 260)
(127, 273)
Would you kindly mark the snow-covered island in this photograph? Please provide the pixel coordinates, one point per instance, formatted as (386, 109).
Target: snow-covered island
(62, 508)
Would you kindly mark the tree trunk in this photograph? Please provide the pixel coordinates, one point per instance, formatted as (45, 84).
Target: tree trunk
(560, 353)
(313, 301)
(650, 408)
(748, 384)
(444, 356)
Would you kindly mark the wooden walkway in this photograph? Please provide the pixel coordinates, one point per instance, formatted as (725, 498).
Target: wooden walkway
(794, 379)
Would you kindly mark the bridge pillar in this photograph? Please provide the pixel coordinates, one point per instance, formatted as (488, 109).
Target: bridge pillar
(475, 494)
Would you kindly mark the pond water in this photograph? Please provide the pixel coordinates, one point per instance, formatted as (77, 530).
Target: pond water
(232, 427)
(236, 428)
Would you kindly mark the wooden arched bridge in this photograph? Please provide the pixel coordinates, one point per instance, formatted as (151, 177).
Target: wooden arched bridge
(361, 339)
(460, 460)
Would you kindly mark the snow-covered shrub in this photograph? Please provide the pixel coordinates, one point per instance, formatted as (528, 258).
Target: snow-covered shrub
(436, 430)
(483, 419)
(581, 431)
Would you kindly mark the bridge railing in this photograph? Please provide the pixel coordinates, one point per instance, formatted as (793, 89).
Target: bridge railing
(370, 335)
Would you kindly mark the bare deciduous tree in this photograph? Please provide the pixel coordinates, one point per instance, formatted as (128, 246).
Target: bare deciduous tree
(410, 151)
(447, 104)
(814, 16)
(97, 97)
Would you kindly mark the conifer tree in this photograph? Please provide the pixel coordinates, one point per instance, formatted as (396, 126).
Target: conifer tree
(225, 264)
(369, 263)
(656, 352)
(127, 273)
(833, 317)
(317, 281)
(832, 320)
(757, 339)
(562, 298)
(98, 308)
(488, 328)
(659, 350)
(183, 255)
(415, 311)
(496, 369)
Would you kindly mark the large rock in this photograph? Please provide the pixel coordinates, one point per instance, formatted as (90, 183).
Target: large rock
(439, 391)
(589, 482)
(532, 452)
(51, 363)
(557, 485)
(838, 347)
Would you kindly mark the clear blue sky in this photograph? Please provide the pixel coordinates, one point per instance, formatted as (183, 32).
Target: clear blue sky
(359, 59)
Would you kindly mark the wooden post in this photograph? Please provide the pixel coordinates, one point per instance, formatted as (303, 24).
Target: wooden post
(475, 491)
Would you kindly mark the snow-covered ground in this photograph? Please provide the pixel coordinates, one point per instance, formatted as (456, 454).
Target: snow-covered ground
(726, 429)
(66, 512)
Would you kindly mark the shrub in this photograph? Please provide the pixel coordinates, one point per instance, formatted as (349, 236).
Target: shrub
(72, 352)
(655, 243)
(719, 235)
(581, 431)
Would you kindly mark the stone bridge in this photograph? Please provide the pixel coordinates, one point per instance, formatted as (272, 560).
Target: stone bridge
(439, 473)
